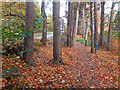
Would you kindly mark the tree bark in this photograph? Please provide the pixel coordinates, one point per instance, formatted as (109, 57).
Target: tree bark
(119, 37)
(110, 29)
(86, 29)
(83, 21)
(77, 17)
(79, 27)
(102, 23)
(56, 33)
(91, 27)
(44, 31)
(73, 20)
(69, 25)
(29, 40)
(95, 24)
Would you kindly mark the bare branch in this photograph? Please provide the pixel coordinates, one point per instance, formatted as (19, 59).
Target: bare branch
(10, 14)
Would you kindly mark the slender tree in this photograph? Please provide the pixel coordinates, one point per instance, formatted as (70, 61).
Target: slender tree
(77, 18)
(44, 31)
(74, 9)
(29, 40)
(119, 35)
(83, 21)
(102, 23)
(91, 27)
(110, 29)
(86, 29)
(95, 24)
(56, 33)
(69, 25)
(80, 20)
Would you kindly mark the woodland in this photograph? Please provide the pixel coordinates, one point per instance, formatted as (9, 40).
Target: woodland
(41, 51)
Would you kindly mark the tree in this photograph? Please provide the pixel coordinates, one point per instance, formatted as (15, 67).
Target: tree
(74, 11)
(119, 34)
(110, 29)
(95, 24)
(102, 23)
(44, 31)
(83, 20)
(29, 40)
(91, 27)
(80, 20)
(69, 25)
(77, 17)
(86, 29)
(56, 33)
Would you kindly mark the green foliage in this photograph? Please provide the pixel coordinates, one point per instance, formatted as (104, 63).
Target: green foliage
(113, 33)
(83, 42)
(49, 23)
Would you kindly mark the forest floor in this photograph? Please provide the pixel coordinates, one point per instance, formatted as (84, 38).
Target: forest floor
(81, 70)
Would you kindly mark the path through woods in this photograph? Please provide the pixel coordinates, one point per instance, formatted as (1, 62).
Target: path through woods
(82, 68)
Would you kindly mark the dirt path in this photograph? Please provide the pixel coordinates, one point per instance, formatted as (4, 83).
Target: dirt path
(93, 70)
(82, 69)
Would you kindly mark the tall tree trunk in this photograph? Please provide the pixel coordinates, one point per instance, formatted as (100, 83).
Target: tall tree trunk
(80, 20)
(83, 21)
(79, 26)
(73, 20)
(102, 23)
(44, 31)
(119, 37)
(91, 27)
(56, 33)
(95, 24)
(86, 30)
(77, 17)
(110, 29)
(69, 25)
(29, 40)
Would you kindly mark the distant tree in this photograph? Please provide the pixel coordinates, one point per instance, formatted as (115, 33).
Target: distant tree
(44, 31)
(119, 34)
(91, 27)
(74, 11)
(80, 20)
(86, 21)
(56, 33)
(109, 45)
(77, 18)
(69, 25)
(102, 23)
(95, 24)
(83, 20)
(29, 40)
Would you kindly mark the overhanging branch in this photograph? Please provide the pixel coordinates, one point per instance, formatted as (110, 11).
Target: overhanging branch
(10, 14)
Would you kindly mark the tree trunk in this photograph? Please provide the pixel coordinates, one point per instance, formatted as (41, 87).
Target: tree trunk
(69, 25)
(86, 30)
(73, 20)
(44, 31)
(95, 24)
(56, 33)
(102, 23)
(83, 21)
(110, 29)
(80, 21)
(91, 27)
(29, 40)
(79, 27)
(119, 36)
(77, 17)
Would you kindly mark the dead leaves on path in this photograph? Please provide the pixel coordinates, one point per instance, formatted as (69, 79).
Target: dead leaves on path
(82, 69)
